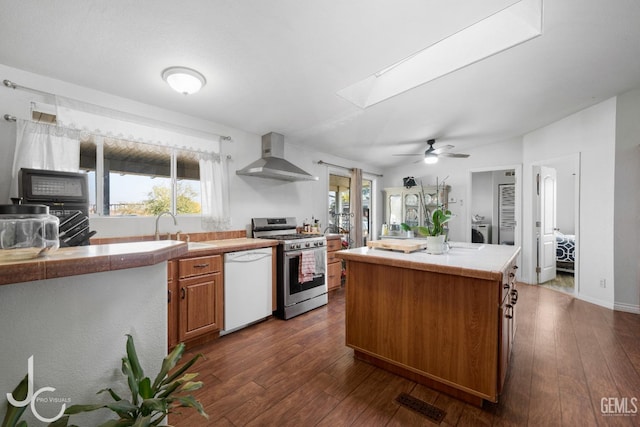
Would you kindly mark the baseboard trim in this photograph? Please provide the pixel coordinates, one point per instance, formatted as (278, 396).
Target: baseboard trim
(629, 308)
(596, 301)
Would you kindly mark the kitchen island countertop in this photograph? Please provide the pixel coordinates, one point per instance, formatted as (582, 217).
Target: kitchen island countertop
(479, 261)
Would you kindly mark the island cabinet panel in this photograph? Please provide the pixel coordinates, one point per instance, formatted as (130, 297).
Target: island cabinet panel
(440, 327)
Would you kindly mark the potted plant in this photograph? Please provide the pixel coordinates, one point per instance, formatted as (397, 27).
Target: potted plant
(436, 232)
(150, 401)
(406, 228)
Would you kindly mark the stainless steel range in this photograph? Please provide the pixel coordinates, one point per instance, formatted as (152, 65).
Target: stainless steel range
(302, 265)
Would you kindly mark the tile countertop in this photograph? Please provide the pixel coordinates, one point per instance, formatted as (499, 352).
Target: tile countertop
(219, 247)
(480, 261)
(116, 256)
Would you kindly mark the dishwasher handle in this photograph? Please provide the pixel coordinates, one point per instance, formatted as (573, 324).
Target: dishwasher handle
(246, 257)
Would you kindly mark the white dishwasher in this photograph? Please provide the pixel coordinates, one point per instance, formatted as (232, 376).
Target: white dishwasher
(247, 288)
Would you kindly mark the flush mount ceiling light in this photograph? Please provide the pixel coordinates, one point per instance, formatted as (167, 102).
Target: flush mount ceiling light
(507, 28)
(183, 80)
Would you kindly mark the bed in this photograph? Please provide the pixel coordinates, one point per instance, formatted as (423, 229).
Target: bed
(565, 252)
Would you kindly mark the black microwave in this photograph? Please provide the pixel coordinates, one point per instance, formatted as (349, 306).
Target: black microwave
(45, 186)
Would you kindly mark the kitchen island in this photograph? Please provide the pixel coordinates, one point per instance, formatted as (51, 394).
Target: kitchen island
(445, 321)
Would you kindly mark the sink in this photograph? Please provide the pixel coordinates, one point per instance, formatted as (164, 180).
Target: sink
(199, 245)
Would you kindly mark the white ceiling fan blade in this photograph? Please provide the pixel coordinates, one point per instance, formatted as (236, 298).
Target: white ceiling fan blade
(443, 148)
(418, 154)
(457, 155)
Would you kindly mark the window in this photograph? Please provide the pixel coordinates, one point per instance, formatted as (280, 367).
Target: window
(139, 179)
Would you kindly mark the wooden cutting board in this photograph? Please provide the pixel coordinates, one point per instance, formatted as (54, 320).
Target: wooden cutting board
(403, 245)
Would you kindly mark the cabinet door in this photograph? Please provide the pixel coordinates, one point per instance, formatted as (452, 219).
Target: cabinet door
(411, 209)
(394, 215)
(334, 275)
(200, 305)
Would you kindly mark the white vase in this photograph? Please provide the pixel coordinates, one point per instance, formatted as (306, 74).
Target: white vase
(437, 245)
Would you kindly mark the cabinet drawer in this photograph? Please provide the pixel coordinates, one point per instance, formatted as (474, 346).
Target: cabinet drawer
(331, 257)
(200, 265)
(334, 275)
(334, 245)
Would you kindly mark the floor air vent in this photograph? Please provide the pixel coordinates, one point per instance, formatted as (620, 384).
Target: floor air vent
(420, 406)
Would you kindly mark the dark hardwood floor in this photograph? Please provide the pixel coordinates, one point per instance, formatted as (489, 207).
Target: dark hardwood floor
(568, 358)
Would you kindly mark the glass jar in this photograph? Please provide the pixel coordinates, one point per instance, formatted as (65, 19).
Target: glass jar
(27, 231)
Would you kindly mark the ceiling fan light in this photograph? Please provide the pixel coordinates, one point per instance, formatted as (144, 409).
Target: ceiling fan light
(184, 80)
(430, 158)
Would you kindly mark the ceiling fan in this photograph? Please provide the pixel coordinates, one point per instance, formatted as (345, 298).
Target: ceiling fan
(431, 154)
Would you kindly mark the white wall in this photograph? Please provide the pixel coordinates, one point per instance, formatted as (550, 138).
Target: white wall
(75, 328)
(591, 133)
(482, 196)
(250, 197)
(492, 156)
(627, 203)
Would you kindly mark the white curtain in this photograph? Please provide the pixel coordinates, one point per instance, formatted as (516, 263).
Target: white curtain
(214, 190)
(355, 202)
(119, 125)
(44, 146)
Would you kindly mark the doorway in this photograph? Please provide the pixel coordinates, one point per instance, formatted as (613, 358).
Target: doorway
(566, 227)
(341, 219)
(494, 209)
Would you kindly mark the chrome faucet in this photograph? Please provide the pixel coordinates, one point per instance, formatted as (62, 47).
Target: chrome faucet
(175, 222)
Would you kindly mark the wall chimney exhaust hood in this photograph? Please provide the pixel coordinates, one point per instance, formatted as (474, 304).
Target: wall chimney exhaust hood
(272, 163)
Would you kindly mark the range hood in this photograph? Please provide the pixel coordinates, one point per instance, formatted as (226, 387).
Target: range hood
(272, 163)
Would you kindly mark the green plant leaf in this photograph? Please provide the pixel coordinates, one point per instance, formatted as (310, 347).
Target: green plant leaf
(22, 423)
(133, 383)
(118, 423)
(113, 394)
(170, 388)
(191, 402)
(77, 409)
(423, 231)
(14, 413)
(145, 388)
(138, 373)
(142, 422)
(191, 385)
(61, 422)
(158, 405)
(182, 369)
(168, 363)
(186, 377)
(123, 407)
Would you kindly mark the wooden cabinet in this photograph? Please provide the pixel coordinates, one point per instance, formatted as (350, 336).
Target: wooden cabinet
(197, 297)
(334, 265)
(444, 330)
(413, 206)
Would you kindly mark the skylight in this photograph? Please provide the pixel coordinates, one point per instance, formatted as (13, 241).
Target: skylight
(507, 28)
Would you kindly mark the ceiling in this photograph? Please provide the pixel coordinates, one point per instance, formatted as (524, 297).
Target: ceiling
(276, 65)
